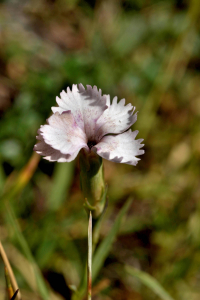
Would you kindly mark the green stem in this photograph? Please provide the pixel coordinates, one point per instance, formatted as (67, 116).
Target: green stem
(89, 262)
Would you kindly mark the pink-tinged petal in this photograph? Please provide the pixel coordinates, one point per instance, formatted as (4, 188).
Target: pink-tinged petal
(121, 148)
(116, 118)
(71, 101)
(63, 134)
(86, 105)
(51, 154)
(93, 106)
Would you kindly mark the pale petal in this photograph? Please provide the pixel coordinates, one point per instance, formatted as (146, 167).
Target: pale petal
(121, 148)
(86, 106)
(73, 102)
(63, 134)
(115, 119)
(51, 154)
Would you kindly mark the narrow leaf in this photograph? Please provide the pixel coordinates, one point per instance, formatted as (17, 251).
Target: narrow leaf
(149, 281)
(61, 182)
(42, 288)
(104, 248)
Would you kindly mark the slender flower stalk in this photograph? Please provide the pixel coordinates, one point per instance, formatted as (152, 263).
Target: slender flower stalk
(89, 260)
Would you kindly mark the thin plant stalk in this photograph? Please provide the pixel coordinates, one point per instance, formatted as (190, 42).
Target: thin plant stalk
(8, 283)
(9, 269)
(89, 261)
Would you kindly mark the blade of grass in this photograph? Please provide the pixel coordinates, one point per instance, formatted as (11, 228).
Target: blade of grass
(25, 267)
(12, 190)
(22, 264)
(104, 248)
(61, 182)
(149, 281)
(42, 288)
(15, 184)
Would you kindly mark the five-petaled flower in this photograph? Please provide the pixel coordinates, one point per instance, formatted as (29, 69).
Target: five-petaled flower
(86, 119)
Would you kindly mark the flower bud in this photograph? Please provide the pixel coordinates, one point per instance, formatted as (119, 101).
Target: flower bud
(92, 181)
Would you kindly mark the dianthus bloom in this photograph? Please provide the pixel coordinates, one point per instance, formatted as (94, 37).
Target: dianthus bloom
(86, 119)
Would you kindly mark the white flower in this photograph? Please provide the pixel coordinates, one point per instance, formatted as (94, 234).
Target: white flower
(86, 119)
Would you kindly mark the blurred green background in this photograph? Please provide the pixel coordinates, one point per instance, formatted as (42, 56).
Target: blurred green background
(147, 52)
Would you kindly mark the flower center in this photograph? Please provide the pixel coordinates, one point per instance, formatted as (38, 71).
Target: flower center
(91, 144)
